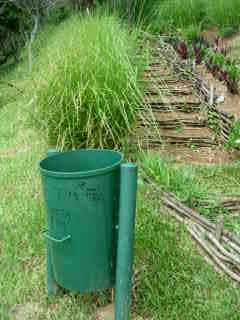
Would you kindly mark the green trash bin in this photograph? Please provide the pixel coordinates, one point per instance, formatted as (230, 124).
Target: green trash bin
(81, 191)
(90, 199)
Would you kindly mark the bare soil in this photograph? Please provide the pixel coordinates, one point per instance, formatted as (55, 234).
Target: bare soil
(199, 156)
(28, 311)
(185, 118)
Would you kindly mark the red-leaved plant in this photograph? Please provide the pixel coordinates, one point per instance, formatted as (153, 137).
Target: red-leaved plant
(182, 49)
(198, 51)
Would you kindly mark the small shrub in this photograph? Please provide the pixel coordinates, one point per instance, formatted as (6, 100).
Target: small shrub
(234, 137)
(227, 31)
(12, 24)
(233, 78)
(88, 93)
(192, 33)
(57, 14)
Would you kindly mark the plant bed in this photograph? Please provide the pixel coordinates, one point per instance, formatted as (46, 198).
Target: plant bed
(209, 155)
(179, 108)
(211, 91)
(214, 56)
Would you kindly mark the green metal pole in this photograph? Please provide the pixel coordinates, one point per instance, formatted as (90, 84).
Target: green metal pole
(51, 284)
(127, 208)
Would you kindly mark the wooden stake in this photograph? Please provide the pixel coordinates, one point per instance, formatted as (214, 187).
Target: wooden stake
(219, 229)
(211, 98)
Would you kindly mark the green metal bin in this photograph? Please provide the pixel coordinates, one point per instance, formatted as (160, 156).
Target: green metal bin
(81, 191)
(90, 199)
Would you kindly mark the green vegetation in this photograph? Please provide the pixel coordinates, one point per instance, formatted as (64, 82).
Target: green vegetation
(192, 33)
(172, 279)
(176, 14)
(180, 14)
(175, 283)
(224, 15)
(217, 57)
(223, 67)
(142, 13)
(91, 96)
(84, 91)
(200, 188)
(12, 22)
(234, 138)
(182, 183)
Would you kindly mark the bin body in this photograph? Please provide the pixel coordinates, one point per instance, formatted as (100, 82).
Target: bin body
(81, 192)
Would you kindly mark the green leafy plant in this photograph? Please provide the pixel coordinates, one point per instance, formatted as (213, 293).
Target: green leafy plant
(214, 61)
(233, 78)
(192, 33)
(223, 68)
(199, 51)
(227, 31)
(218, 59)
(234, 137)
(88, 91)
(12, 24)
(213, 121)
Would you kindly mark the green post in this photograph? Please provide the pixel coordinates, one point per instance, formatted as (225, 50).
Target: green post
(51, 284)
(127, 208)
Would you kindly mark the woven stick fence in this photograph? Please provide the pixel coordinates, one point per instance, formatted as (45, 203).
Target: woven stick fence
(220, 247)
(206, 94)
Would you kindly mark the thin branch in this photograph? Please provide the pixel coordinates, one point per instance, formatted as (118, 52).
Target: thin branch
(211, 253)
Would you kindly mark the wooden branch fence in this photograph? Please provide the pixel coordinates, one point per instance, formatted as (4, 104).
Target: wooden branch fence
(219, 247)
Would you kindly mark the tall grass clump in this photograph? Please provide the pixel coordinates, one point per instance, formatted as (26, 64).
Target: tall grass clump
(224, 14)
(140, 12)
(88, 93)
(175, 14)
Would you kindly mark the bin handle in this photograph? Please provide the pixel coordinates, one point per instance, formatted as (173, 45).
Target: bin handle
(47, 236)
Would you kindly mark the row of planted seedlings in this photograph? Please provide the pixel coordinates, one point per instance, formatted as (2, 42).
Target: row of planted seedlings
(215, 56)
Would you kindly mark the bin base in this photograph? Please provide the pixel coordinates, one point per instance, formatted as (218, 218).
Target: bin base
(51, 284)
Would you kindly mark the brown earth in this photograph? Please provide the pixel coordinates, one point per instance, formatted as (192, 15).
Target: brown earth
(199, 156)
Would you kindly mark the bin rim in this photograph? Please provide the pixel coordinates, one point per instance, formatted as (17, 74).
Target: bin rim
(80, 174)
